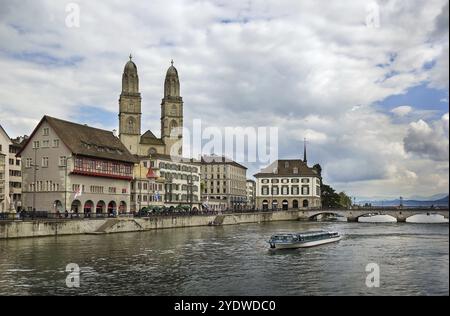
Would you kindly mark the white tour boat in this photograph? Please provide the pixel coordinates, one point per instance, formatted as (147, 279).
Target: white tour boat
(303, 240)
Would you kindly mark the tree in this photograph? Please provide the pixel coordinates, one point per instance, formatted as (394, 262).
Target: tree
(318, 167)
(344, 200)
(330, 199)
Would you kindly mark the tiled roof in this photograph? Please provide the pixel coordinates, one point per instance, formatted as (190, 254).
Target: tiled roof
(286, 168)
(87, 141)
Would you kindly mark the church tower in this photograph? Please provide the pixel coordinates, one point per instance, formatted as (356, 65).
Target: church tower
(172, 114)
(130, 108)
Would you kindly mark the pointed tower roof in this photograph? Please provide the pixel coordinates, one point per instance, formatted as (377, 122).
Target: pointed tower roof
(130, 78)
(305, 160)
(172, 71)
(130, 67)
(172, 83)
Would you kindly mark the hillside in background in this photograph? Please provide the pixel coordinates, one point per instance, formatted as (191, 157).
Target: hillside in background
(412, 203)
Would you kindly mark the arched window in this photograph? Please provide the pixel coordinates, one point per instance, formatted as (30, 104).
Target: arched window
(305, 203)
(274, 205)
(131, 124)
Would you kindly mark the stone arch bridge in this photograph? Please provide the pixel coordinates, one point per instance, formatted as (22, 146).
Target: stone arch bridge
(401, 214)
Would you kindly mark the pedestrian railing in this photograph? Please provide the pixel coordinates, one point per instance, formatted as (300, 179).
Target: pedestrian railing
(41, 215)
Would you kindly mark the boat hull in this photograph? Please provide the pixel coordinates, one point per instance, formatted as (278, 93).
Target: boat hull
(307, 244)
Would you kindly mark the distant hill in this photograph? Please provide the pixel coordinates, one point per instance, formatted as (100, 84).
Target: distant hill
(412, 203)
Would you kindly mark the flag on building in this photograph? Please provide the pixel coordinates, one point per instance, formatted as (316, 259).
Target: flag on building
(151, 174)
(78, 192)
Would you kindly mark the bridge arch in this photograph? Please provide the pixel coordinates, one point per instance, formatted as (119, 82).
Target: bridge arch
(326, 213)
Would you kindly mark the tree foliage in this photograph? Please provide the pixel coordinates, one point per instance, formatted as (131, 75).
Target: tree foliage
(333, 200)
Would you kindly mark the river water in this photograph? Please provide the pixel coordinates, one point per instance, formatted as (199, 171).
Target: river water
(232, 260)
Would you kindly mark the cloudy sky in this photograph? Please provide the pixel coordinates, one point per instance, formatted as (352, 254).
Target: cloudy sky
(366, 83)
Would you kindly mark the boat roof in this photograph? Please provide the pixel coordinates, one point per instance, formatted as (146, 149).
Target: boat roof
(308, 233)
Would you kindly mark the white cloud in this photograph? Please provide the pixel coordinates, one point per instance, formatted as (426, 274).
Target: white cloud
(312, 69)
(430, 141)
(402, 110)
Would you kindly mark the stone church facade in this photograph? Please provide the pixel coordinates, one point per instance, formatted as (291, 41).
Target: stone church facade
(171, 140)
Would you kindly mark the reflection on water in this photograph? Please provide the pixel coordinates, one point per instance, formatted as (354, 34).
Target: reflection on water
(232, 260)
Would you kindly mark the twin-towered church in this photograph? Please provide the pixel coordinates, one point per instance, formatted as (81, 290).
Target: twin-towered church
(130, 114)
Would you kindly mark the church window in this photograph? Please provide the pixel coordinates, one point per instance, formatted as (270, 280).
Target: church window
(131, 125)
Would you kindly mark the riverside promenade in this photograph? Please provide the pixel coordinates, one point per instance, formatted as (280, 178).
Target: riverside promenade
(10, 229)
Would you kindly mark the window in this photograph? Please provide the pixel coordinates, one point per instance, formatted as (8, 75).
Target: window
(96, 189)
(112, 190)
(305, 180)
(286, 164)
(46, 131)
(305, 190)
(295, 190)
(45, 162)
(295, 181)
(275, 191)
(56, 143)
(11, 161)
(36, 144)
(28, 162)
(62, 161)
(45, 143)
(295, 170)
(285, 190)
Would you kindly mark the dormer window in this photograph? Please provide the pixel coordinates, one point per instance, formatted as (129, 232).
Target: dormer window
(295, 170)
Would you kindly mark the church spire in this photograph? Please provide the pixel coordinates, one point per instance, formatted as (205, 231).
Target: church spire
(130, 108)
(172, 82)
(130, 78)
(305, 160)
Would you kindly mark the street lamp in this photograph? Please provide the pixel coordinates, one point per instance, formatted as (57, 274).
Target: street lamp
(169, 187)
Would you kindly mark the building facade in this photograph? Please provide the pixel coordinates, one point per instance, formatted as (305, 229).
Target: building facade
(130, 112)
(73, 167)
(3, 192)
(180, 180)
(5, 142)
(251, 194)
(11, 173)
(147, 187)
(288, 184)
(224, 183)
(15, 173)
